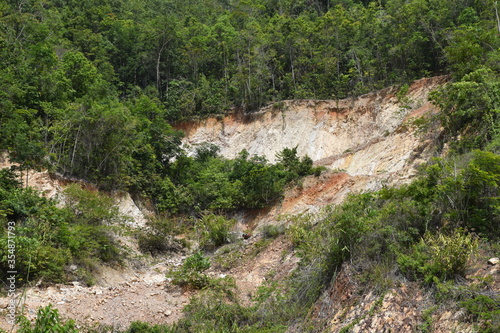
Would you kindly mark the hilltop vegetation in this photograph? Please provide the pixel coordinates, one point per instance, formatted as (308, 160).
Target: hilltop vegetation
(89, 89)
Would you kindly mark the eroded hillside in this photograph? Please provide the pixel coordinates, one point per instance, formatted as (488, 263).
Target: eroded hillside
(370, 139)
(364, 143)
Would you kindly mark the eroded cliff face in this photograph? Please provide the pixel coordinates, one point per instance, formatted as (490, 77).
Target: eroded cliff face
(369, 140)
(363, 135)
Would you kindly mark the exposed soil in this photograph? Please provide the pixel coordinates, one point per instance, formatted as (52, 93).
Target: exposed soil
(362, 141)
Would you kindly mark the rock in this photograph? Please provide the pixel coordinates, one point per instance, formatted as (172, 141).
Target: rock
(167, 313)
(493, 261)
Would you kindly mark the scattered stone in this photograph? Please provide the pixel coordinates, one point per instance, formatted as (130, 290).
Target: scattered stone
(493, 261)
(167, 313)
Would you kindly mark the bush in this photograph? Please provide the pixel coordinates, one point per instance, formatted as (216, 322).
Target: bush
(214, 230)
(139, 327)
(272, 231)
(47, 321)
(486, 310)
(214, 311)
(157, 244)
(438, 257)
(191, 272)
(90, 207)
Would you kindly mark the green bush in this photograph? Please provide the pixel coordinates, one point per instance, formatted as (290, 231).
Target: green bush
(47, 321)
(48, 238)
(156, 244)
(140, 327)
(214, 311)
(214, 230)
(191, 272)
(486, 310)
(272, 231)
(438, 257)
(90, 207)
(158, 238)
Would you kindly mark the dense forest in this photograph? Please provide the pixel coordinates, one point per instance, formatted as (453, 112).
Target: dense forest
(90, 90)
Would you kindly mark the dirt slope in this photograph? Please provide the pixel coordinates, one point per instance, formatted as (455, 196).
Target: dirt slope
(364, 142)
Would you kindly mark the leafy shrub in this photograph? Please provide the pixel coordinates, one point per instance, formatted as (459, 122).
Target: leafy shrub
(140, 327)
(214, 230)
(92, 208)
(486, 310)
(158, 239)
(438, 257)
(47, 320)
(272, 231)
(299, 229)
(49, 238)
(191, 272)
(214, 311)
(296, 167)
(157, 244)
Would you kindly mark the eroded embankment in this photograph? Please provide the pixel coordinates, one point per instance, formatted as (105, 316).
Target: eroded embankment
(364, 142)
(370, 138)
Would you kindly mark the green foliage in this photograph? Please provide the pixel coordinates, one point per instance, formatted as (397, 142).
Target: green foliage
(272, 231)
(156, 244)
(93, 86)
(211, 183)
(438, 257)
(47, 321)
(427, 319)
(460, 192)
(214, 230)
(88, 89)
(213, 311)
(470, 109)
(486, 310)
(140, 327)
(158, 237)
(90, 207)
(294, 166)
(191, 273)
(48, 238)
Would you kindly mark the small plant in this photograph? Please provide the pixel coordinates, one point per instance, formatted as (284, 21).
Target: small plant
(191, 272)
(158, 244)
(47, 321)
(403, 91)
(438, 257)
(272, 231)
(214, 230)
(279, 106)
(426, 325)
(229, 255)
(299, 230)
